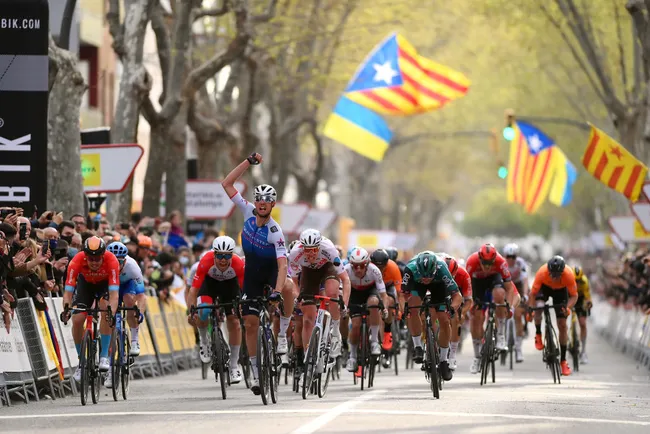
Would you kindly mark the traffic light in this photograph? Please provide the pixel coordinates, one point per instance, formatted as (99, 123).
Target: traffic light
(509, 131)
(503, 172)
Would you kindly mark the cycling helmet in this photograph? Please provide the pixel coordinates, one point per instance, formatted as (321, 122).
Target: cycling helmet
(379, 257)
(359, 256)
(556, 265)
(392, 253)
(292, 245)
(452, 265)
(265, 190)
(144, 242)
(350, 250)
(94, 246)
(426, 264)
(487, 254)
(511, 249)
(577, 270)
(223, 244)
(310, 238)
(118, 249)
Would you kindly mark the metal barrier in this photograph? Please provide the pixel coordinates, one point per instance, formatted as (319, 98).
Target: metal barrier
(626, 328)
(41, 350)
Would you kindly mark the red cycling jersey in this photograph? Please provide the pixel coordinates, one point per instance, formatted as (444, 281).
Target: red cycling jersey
(207, 268)
(108, 271)
(500, 266)
(464, 282)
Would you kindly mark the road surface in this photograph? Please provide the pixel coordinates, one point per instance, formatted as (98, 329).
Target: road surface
(608, 395)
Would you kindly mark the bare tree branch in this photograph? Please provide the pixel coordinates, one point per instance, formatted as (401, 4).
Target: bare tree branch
(163, 44)
(635, 9)
(216, 11)
(115, 27)
(621, 52)
(267, 15)
(149, 111)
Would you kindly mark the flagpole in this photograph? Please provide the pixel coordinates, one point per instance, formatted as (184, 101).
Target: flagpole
(552, 120)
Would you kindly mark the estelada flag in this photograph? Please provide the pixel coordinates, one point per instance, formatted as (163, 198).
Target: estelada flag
(613, 165)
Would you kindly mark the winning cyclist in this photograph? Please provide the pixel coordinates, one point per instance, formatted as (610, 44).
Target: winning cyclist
(393, 281)
(131, 290)
(266, 260)
(367, 286)
(582, 307)
(317, 261)
(93, 271)
(220, 274)
(554, 279)
(428, 273)
(464, 282)
(491, 281)
(519, 273)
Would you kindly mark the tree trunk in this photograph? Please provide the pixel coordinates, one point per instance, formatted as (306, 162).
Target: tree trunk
(155, 170)
(64, 180)
(135, 85)
(177, 163)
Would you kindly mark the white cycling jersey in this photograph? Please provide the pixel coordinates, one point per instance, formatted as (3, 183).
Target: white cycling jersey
(370, 279)
(519, 271)
(326, 254)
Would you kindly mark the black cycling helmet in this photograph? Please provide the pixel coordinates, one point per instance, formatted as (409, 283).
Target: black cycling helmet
(392, 253)
(379, 257)
(94, 246)
(556, 265)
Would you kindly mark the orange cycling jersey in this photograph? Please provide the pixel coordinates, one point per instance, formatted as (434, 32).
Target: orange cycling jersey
(392, 276)
(543, 277)
(108, 271)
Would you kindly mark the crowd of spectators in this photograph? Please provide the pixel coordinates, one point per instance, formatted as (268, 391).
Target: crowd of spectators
(34, 252)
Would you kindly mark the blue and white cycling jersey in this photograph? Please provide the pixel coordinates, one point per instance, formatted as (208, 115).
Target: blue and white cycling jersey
(262, 246)
(131, 281)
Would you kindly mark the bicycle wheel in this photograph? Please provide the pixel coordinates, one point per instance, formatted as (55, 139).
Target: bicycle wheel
(126, 366)
(409, 354)
(218, 362)
(574, 346)
(363, 347)
(310, 363)
(116, 359)
(274, 364)
(486, 352)
(432, 367)
(262, 366)
(394, 329)
(549, 347)
(85, 365)
(95, 375)
(373, 365)
(512, 331)
(323, 383)
(245, 361)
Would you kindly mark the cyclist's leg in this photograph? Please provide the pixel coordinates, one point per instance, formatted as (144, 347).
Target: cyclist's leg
(519, 318)
(413, 321)
(228, 291)
(356, 298)
(387, 343)
(206, 296)
(129, 293)
(542, 297)
(309, 286)
(439, 312)
(297, 335)
(374, 321)
(582, 320)
(331, 284)
(499, 297)
(561, 296)
(253, 288)
(288, 297)
(104, 327)
(83, 296)
(482, 294)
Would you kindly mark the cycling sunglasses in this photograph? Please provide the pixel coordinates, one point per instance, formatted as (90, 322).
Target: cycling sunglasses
(221, 256)
(94, 258)
(359, 266)
(511, 257)
(265, 198)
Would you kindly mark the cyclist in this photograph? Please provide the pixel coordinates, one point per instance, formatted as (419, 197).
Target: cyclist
(491, 282)
(297, 317)
(554, 279)
(317, 261)
(393, 281)
(367, 286)
(131, 289)
(93, 271)
(464, 282)
(428, 273)
(266, 260)
(519, 273)
(393, 254)
(582, 307)
(220, 274)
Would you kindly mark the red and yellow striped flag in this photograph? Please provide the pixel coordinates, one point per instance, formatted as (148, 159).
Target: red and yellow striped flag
(610, 163)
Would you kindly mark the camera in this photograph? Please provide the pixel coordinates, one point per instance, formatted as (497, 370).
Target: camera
(23, 231)
(6, 212)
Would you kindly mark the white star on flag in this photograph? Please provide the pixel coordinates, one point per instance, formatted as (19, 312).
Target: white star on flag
(535, 143)
(384, 72)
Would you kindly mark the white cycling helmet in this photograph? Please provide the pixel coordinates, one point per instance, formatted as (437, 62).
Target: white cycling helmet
(359, 256)
(310, 238)
(265, 190)
(292, 245)
(223, 245)
(511, 249)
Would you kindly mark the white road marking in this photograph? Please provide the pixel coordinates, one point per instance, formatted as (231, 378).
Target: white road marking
(344, 408)
(330, 415)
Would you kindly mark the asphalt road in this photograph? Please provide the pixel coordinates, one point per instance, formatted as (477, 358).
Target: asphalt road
(608, 395)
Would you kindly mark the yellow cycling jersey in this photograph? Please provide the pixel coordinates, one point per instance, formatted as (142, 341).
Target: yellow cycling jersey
(583, 288)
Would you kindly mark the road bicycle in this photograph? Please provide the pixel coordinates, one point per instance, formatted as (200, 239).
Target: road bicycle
(366, 361)
(511, 334)
(119, 351)
(390, 356)
(318, 363)
(488, 351)
(551, 352)
(574, 342)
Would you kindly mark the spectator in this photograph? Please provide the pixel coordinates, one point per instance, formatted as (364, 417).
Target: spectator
(67, 230)
(79, 223)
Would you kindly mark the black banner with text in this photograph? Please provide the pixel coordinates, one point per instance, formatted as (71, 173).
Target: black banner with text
(24, 45)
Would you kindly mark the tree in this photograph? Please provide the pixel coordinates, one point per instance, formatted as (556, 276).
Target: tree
(135, 84)
(181, 86)
(66, 86)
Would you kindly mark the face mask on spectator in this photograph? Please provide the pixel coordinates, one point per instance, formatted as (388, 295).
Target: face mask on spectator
(184, 260)
(71, 252)
(67, 238)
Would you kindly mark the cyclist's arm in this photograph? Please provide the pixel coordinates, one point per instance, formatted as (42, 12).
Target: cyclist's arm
(71, 279)
(452, 288)
(345, 279)
(276, 237)
(228, 183)
(199, 277)
(537, 285)
(113, 280)
(587, 289)
(568, 279)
